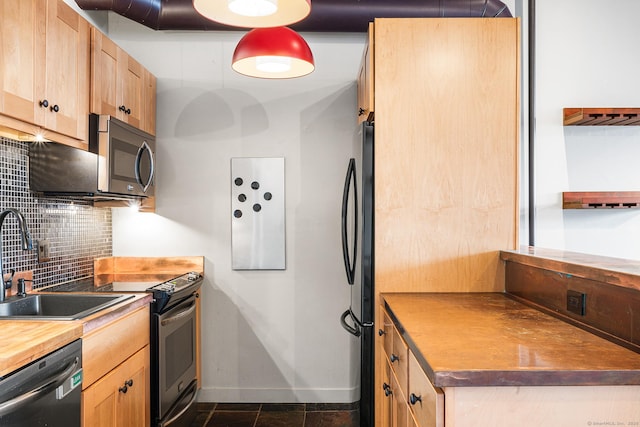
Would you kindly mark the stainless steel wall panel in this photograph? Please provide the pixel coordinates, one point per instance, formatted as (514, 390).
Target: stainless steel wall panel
(258, 214)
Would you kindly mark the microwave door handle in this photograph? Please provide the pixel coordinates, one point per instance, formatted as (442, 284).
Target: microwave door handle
(142, 148)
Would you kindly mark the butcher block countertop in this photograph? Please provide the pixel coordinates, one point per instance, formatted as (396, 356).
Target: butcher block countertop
(489, 339)
(24, 341)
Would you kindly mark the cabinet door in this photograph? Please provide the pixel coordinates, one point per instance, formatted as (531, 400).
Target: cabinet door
(385, 396)
(131, 79)
(19, 41)
(66, 85)
(104, 74)
(149, 103)
(447, 107)
(426, 401)
(399, 409)
(120, 398)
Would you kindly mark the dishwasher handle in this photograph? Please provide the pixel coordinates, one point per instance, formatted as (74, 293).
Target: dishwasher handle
(42, 389)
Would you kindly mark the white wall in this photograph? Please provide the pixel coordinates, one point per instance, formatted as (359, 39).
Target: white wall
(270, 336)
(586, 57)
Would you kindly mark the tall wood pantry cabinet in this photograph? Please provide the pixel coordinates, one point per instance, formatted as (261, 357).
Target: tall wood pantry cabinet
(446, 96)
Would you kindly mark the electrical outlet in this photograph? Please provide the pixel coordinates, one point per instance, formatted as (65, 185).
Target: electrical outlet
(43, 251)
(576, 302)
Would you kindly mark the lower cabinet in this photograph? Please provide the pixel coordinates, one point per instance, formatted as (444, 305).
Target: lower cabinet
(118, 398)
(407, 398)
(116, 367)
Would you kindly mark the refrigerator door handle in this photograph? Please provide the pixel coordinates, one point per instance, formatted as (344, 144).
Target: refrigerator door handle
(353, 330)
(350, 262)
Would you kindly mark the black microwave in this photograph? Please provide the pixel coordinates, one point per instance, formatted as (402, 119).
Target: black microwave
(120, 163)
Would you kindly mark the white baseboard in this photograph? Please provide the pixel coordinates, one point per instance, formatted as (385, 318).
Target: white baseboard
(253, 395)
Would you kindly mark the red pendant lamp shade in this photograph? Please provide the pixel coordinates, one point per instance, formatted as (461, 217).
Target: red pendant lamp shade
(254, 13)
(273, 53)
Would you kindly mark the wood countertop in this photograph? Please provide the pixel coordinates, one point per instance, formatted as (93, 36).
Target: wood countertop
(489, 339)
(615, 271)
(27, 340)
(24, 341)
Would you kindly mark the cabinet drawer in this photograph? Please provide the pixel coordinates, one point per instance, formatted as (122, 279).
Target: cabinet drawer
(426, 402)
(386, 332)
(399, 361)
(107, 347)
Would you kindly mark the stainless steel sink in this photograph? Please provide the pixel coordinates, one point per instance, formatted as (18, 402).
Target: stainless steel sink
(57, 306)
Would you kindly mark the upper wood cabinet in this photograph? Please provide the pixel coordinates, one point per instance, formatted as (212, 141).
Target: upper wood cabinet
(44, 70)
(120, 85)
(365, 81)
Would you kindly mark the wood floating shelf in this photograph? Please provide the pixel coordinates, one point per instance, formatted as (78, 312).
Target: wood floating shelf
(601, 116)
(601, 200)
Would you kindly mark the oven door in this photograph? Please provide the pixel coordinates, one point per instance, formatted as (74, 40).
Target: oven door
(176, 355)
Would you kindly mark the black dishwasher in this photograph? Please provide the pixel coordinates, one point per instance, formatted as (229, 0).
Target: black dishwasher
(44, 393)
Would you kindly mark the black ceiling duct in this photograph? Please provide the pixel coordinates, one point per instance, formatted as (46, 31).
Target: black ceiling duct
(325, 16)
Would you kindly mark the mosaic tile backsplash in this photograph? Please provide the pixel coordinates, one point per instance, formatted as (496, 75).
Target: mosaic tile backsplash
(77, 232)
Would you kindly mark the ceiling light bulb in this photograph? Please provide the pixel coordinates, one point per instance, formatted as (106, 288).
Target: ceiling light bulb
(253, 13)
(273, 64)
(253, 7)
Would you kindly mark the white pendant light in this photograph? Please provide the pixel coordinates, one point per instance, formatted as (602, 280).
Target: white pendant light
(254, 13)
(273, 53)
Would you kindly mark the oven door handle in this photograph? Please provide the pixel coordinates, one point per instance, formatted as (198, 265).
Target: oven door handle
(193, 386)
(37, 392)
(181, 314)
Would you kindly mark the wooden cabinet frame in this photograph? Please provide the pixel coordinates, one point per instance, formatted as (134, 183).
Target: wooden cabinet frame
(447, 114)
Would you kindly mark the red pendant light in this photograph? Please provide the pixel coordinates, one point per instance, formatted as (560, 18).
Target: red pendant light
(254, 13)
(273, 53)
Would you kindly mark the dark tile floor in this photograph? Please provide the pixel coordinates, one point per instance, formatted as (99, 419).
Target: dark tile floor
(276, 415)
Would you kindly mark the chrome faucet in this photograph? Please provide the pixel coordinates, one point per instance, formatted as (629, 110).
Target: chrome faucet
(25, 237)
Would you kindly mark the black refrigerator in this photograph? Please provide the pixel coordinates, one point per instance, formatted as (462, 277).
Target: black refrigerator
(357, 250)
